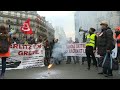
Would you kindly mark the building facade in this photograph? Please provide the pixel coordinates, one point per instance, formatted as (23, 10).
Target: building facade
(15, 19)
(59, 33)
(84, 20)
(87, 19)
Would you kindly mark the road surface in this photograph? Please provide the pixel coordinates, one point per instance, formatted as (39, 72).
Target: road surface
(63, 71)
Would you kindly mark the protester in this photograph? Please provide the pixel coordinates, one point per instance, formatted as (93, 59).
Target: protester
(91, 47)
(4, 48)
(31, 40)
(70, 57)
(77, 57)
(47, 52)
(105, 46)
(51, 46)
(57, 53)
(117, 38)
(14, 39)
(25, 41)
(40, 39)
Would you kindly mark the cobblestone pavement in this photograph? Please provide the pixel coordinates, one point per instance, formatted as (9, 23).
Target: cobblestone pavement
(63, 71)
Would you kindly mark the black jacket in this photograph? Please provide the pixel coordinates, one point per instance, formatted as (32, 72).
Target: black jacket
(105, 41)
(15, 40)
(31, 41)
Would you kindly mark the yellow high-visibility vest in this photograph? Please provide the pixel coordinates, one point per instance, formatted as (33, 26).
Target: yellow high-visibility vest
(26, 42)
(90, 40)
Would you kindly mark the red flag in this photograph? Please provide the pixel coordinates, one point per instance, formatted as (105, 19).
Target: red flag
(25, 28)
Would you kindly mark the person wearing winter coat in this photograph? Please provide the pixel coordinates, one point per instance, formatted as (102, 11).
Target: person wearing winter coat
(105, 45)
(5, 55)
(31, 40)
(77, 57)
(14, 39)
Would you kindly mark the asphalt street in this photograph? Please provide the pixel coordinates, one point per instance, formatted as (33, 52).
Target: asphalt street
(63, 71)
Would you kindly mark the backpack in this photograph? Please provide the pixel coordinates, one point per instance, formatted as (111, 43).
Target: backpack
(4, 43)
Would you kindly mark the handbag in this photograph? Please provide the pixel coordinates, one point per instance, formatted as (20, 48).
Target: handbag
(111, 63)
(107, 62)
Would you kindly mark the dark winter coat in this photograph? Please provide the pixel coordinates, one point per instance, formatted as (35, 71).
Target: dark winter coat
(15, 40)
(31, 41)
(105, 41)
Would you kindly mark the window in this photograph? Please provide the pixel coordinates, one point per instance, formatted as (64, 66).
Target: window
(34, 17)
(23, 15)
(30, 16)
(21, 21)
(12, 13)
(1, 12)
(15, 14)
(14, 21)
(31, 23)
(18, 14)
(1, 18)
(26, 15)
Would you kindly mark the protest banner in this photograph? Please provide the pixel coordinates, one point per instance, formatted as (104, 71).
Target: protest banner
(25, 56)
(75, 49)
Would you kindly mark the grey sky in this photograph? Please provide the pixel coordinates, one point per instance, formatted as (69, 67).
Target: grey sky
(64, 19)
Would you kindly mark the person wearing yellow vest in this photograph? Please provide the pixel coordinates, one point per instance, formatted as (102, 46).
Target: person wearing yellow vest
(26, 42)
(117, 38)
(91, 47)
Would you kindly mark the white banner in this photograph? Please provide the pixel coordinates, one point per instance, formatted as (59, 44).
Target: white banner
(75, 49)
(25, 56)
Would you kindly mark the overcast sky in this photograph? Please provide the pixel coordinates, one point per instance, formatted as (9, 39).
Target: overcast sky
(64, 19)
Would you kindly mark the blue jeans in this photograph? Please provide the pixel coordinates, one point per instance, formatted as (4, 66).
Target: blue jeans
(3, 65)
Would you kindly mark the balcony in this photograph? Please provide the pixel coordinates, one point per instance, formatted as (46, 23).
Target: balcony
(43, 29)
(42, 34)
(10, 22)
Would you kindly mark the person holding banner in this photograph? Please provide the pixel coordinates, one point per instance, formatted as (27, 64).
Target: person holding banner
(91, 47)
(77, 57)
(4, 48)
(70, 57)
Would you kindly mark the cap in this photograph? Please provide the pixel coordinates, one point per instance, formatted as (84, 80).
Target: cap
(93, 29)
(104, 23)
